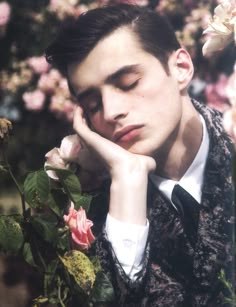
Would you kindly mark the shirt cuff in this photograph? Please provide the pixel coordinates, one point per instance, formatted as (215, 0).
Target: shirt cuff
(128, 242)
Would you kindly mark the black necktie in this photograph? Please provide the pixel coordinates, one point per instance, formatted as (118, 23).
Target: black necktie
(188, 209)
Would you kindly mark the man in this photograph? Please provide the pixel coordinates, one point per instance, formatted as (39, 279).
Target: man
(130, 77)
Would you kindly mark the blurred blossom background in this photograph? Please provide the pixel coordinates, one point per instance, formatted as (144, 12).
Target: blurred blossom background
(35, 96)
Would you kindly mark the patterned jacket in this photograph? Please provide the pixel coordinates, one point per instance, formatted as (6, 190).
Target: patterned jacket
(176, 272)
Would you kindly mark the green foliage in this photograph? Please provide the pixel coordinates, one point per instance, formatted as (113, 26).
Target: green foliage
(46, 227)
(70, 183)
(36, 188)
(42, 239)
(27, 254)
(11, 235)
(81, 268)
(102, 290)
(232, 295)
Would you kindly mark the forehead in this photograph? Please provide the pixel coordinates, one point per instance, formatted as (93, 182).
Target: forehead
(120, 48)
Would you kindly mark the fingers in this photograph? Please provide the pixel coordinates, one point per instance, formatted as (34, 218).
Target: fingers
(106, 149)
(79, 123)
(114, 156)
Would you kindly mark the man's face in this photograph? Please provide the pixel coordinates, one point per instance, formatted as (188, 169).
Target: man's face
(127, 95)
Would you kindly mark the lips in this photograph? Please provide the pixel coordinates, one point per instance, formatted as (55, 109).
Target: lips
(126, 133)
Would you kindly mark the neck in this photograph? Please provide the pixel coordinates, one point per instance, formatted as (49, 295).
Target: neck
(178, 153)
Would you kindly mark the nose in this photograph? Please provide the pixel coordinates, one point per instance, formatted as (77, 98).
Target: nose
(114, 105)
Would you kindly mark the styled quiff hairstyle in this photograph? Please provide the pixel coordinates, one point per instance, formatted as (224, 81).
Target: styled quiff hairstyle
(78, 37)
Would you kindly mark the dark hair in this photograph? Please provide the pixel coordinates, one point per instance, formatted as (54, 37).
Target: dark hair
(79, 36)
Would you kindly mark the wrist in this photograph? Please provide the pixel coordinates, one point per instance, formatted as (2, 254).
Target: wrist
(128, 200)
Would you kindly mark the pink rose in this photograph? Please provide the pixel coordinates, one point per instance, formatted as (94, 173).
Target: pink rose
(80, 227)
(38, 64)
(54, 159)
(62, 157)
(34, 101)
(72, 151)
(5, 12)
(70, 148)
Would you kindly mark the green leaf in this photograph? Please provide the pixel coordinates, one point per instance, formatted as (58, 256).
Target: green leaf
(63, 242)
(27, 254)
(11, 235)
(46, 227)
(71, 184)
(57, 201)
(36, 188)
(53, 205)
(72, 187)
(83, 201)
(96, 264)
(103, 290)
(81, 268)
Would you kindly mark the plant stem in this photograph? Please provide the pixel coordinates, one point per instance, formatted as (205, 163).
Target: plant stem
(22, 196)
(59, 293)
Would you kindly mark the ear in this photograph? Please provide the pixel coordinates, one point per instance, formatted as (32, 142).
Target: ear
(181, 67)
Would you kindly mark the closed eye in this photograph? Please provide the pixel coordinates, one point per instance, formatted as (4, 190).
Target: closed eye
(93, 108)
(128, 87)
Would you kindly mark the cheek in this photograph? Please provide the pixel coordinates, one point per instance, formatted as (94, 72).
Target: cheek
(98, 125)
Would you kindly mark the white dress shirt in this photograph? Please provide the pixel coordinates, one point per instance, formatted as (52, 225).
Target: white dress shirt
(129, 240)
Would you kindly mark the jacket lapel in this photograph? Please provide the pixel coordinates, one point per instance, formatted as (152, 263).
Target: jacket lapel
(215, 219)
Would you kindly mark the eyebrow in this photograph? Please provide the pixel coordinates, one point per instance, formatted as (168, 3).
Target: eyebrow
(110, 79)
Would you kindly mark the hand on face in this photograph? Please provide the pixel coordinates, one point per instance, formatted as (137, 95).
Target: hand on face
(117, 160)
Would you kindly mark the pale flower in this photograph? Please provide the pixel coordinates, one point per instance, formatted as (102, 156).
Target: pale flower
(38, 64)
(221, 30)
(54, 160)
(70, 148)
(34, 101)
(75, 155)
(62, 157)
(80, 227)
(5, 12)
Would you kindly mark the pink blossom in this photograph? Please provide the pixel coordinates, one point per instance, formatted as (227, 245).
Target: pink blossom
(62, 106)
(70, 148)
(48, 82)
(216, 94)
(80, 227)
(34, 100)
(54, 159)
(38, 64)
(5, 12)
(73, 152)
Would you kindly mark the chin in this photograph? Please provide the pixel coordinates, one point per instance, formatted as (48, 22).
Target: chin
(140, 151)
